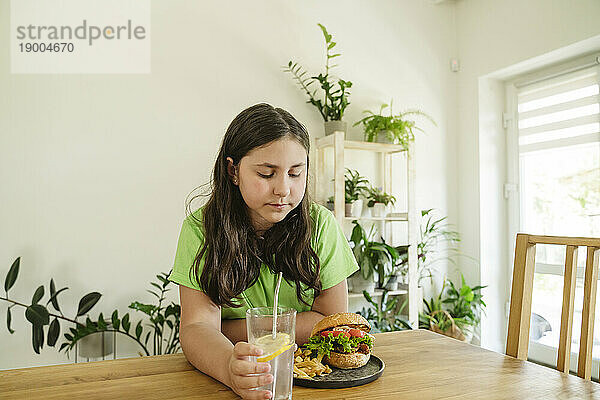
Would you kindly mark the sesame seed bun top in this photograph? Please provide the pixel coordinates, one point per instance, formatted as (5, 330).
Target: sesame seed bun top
(349, 319)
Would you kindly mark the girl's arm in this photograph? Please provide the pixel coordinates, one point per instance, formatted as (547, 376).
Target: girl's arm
(330, 301)
(208, 350)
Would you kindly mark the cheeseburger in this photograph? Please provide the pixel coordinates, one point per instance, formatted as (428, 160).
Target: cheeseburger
(342, 340)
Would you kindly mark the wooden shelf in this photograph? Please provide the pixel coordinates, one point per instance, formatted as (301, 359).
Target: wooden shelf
(395, 218)
(327, 141)
(334, 146)
(378, 293)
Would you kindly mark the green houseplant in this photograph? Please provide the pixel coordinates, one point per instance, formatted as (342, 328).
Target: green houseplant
(163, 319)
(373, 256)
(395, 128)
(377, 195)
(355, 185)
(454, 308)
(465, 304)
(384, 316)
(330, 203)
(378, 200)
(434, 232)
(335, 94)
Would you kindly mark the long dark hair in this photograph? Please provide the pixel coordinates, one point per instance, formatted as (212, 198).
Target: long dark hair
(232, 252)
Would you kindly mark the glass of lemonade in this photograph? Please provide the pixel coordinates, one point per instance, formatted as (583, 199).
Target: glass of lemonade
(278, 352)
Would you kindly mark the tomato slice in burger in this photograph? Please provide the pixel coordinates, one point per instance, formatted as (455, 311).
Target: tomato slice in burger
(356, 333)
(335, 333)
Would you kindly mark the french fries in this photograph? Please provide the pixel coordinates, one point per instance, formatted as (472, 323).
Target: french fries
(306, 367)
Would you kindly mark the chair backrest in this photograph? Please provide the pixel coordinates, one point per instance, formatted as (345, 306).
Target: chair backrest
(517, 342)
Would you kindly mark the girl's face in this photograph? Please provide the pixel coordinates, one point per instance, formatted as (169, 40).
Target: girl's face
(272, 181)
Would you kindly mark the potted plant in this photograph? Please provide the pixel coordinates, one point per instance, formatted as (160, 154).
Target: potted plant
(391, 128)
(355, 185)
(465, 305)
(335, 94)
(378, 200)
(363, 279)
(330, 203)
(162, 325)
(392, 282)
(384, 316)
(434, 232)
(454, 312)
(372, 256)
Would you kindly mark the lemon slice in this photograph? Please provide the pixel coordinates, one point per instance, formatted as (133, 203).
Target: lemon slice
(272, 347)
(271, 356)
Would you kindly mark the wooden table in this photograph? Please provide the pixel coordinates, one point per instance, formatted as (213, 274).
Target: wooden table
(420, 365)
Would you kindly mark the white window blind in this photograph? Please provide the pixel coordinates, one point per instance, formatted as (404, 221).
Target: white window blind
(558, 136)
(560, 111)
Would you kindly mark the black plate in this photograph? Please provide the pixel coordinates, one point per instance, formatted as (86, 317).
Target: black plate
(343, 378)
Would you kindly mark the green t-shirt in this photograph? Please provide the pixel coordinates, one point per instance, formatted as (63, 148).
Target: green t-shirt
(328, 241)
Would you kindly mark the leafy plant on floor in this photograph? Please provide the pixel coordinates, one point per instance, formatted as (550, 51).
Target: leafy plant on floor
(464, 304)
(434, 304)
(384, 316)
(335, 99)
(39, 315)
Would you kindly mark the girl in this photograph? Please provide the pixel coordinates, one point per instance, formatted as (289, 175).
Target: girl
(257, 222)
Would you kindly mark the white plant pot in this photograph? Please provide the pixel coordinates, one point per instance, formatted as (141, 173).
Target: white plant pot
(335, 126)
(392, 283)
(356, 209)
(379, 210)
(383, 138)
(359, 284)
(348, 209)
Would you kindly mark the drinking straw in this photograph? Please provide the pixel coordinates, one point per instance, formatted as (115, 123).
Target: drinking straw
(275, 305)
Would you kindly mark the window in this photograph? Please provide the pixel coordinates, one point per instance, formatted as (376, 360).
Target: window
(554, 158)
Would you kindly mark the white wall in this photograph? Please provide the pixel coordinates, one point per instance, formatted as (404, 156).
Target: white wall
(496, 40)
(95, 168)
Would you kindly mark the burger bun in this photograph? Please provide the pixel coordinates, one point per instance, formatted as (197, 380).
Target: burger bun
(347, 361)
(349, 319)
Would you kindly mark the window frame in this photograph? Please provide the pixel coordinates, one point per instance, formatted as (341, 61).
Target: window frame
(512, 190)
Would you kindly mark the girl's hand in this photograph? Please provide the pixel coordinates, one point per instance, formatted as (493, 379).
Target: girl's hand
(240, 367)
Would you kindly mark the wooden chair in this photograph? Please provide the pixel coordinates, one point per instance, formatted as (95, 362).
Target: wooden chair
(522, 287)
